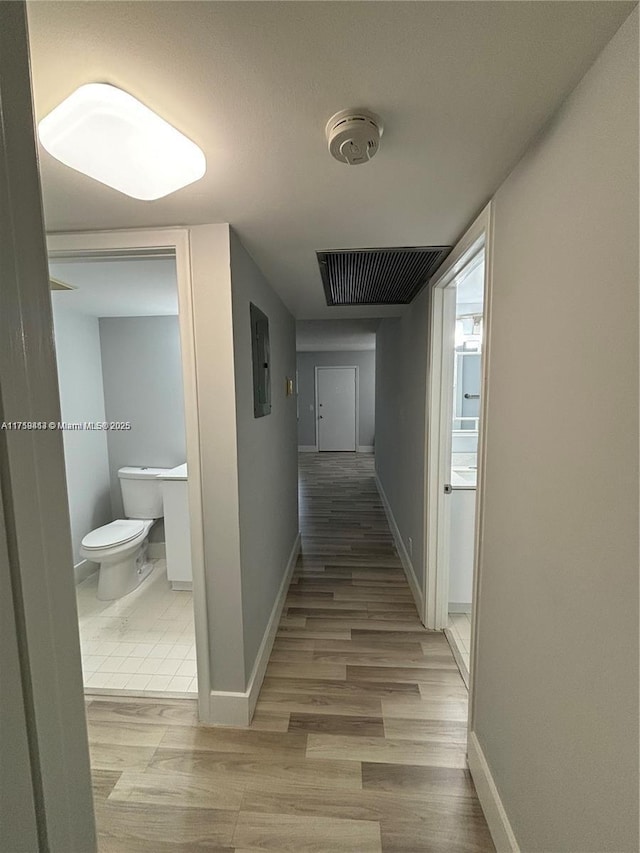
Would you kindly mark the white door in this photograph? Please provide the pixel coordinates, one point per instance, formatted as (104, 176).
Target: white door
(336, 413)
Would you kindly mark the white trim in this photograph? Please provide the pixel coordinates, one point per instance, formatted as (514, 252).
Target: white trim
(482, 459)
(407, 565)
(177, 240)
(228, 708)
(187, 586)
(83, 570)
(355, 367)
(307, 448)
(264, 652)
(497, 820)
(457, 656)
(364, 448)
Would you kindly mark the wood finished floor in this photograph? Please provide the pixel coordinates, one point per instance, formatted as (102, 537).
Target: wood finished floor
(358, 741)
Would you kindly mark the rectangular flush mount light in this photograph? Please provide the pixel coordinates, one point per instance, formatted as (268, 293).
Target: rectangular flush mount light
(106, 133)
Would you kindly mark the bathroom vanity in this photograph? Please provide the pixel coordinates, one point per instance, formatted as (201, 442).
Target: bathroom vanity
(177, 526)
(461, 540)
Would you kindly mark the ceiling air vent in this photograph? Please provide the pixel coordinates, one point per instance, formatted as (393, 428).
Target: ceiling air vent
(378, 276)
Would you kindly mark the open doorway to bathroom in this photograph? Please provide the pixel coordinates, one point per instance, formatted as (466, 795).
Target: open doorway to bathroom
(454, 412)
(120, 371)
(463, 481)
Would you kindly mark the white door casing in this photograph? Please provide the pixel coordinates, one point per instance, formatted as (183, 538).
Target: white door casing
(336, 410)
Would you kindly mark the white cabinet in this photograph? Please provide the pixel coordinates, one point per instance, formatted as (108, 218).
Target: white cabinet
(177, 526)
(461, 542)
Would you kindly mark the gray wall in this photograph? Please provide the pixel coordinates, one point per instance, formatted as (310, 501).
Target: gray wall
(142, 374)
(267, 451)
(556, 698)
(214, 364)
(556, 709)
(401, 377)
(43, 735)
(306, 364)
(248, 533)
(82, 399)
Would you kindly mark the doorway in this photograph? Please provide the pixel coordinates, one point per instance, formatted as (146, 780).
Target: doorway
(117, 340)
(159, 643)
(337, 418)
(454, 440)
(465, 411)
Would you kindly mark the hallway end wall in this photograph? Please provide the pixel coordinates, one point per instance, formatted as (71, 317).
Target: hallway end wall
(365, 360)
(267, 452)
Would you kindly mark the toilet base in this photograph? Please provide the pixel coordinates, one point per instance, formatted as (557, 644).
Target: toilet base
(120, 578)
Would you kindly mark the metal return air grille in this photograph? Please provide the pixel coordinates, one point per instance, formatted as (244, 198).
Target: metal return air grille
(378, 276)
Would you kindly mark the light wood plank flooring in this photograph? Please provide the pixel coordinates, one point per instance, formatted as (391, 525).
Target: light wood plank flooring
(358, 741)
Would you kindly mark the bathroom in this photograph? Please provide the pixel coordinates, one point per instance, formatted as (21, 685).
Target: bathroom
(120, 373)
(467, 386)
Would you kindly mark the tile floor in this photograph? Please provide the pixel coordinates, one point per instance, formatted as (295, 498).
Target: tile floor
(140, 645)
(460, 632)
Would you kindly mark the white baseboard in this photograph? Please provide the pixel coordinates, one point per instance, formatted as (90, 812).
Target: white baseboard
(365, 448)
(307, 448)
(229, 709)
(407, 565)
(457, 656)
(264, 652)
(497, 820)
(236, 709)
(459, 607)
(83, 570)
(182, 585)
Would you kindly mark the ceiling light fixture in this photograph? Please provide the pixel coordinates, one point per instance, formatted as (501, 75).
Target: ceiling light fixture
(106, 133)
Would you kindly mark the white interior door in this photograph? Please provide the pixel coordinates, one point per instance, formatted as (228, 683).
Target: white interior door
(336, 412)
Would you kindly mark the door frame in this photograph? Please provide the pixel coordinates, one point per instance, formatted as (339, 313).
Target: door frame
(175, 240)
(357, 399)
(438, 435)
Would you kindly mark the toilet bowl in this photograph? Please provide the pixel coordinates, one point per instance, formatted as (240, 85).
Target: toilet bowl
(121, 546)
(121, 549)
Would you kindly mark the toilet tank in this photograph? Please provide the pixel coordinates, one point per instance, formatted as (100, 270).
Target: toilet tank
(141, 492)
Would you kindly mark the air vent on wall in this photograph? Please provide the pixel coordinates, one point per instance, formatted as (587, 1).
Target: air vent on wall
(378, 276)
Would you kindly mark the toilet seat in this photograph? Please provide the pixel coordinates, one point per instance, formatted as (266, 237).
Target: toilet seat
(118, 532)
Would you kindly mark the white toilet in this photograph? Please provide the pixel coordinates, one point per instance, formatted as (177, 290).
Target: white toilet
(121, 546)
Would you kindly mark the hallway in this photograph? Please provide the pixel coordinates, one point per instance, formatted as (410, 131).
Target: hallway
(358, 740)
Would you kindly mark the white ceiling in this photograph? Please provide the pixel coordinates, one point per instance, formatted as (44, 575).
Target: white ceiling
(118, 288)
(462, 88)
(335, 335)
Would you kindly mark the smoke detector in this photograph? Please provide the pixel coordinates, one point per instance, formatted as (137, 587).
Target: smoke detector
(354, 136)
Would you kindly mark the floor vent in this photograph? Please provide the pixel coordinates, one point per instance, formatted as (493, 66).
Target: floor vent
(378, 276)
